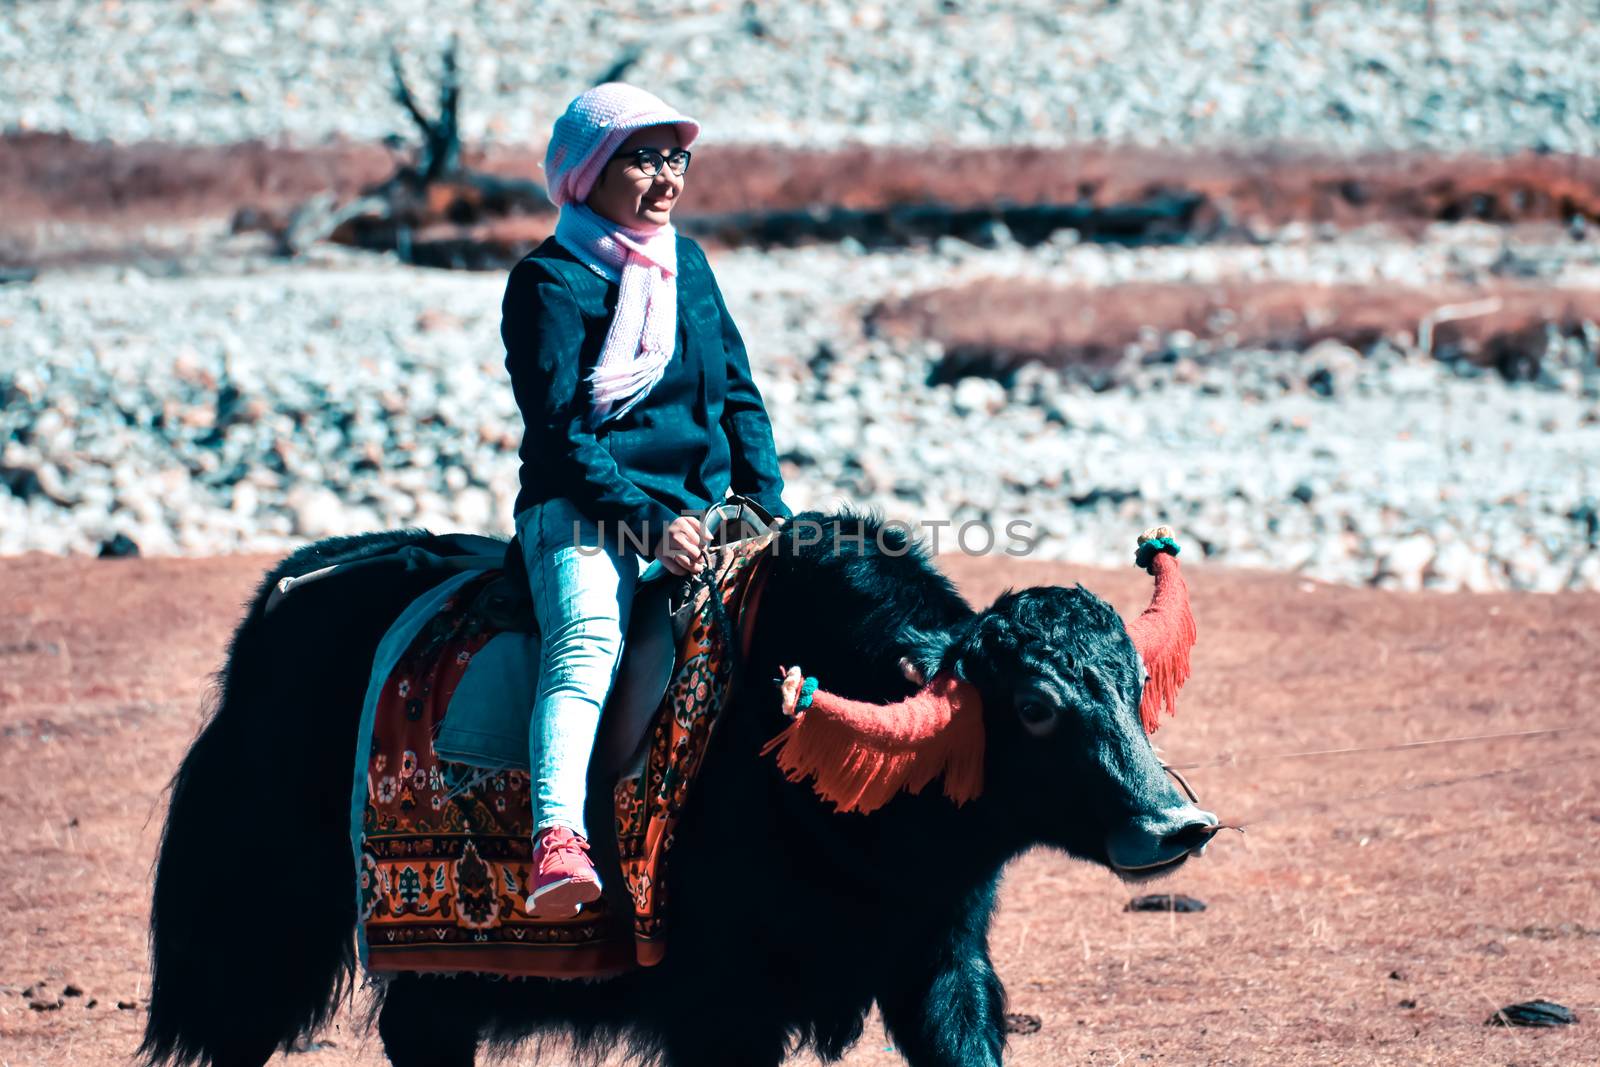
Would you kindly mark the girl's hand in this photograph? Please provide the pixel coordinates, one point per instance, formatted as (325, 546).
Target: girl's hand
(682, 549)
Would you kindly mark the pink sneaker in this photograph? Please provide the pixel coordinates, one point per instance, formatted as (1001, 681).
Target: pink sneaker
(563, 878)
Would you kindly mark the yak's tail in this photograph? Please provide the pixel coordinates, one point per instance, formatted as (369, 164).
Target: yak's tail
(253, 915)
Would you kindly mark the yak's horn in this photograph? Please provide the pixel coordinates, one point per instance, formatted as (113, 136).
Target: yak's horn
(862, 754)
(1165, 632)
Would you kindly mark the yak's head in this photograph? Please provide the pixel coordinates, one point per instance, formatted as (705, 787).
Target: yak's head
(1068, 759)
(1040, 705)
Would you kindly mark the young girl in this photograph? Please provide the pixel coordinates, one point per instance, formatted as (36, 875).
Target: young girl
(639, 412)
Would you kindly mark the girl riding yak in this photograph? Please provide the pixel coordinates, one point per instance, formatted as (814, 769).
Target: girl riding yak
(813, 875)
(640, 413)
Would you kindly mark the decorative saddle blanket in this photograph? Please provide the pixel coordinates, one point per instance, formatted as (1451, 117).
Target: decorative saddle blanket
(443, 849)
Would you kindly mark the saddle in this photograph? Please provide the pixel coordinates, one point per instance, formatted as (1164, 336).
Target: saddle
(441, 817)
(487, 722)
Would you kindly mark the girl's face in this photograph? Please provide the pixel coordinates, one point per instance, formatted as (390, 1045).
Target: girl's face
(628, 196)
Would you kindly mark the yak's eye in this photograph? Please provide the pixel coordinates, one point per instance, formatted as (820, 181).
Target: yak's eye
(1039, 717)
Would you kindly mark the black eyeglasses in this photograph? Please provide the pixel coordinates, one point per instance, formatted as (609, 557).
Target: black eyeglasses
(650, 161)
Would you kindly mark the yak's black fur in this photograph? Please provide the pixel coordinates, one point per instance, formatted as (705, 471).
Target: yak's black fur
(789, 920)
(244, 948)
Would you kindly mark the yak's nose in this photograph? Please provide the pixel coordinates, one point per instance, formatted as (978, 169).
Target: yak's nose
(1156, 842)
(1193, 837)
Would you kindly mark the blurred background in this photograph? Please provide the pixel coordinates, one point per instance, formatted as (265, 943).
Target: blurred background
(1316, 281)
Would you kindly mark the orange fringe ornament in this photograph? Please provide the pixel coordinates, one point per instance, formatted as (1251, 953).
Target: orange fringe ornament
(1165, 632)
(862, 754)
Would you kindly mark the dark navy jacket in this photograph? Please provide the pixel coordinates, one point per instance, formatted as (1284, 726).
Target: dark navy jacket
(701, 430)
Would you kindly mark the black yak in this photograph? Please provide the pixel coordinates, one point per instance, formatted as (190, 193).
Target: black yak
(791, 920)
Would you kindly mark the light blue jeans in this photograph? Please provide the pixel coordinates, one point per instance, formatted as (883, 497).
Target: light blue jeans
(582, 596)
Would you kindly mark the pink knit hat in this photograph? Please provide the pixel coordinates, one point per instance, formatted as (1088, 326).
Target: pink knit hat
(589, 131)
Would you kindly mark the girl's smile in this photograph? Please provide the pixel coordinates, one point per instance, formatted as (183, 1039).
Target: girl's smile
(629, 196)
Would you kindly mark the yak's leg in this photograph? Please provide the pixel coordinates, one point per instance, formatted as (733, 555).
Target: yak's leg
(428, 1022)
(748, 1046)
(953, 1017)
(255, 1055)
(947, 1007)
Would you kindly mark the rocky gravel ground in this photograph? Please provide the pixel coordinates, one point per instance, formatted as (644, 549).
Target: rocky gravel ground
(259, 405)
(1479, 75)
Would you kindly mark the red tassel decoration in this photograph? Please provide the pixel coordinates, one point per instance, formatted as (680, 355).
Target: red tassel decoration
(862, 754)
(1165, 632)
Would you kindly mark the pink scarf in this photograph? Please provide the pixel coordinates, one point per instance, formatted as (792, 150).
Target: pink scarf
(644, 325)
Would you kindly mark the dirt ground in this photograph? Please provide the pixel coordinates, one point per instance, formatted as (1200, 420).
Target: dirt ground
(56, 176)
(992, 325)
(1379, 908)
(66, 202)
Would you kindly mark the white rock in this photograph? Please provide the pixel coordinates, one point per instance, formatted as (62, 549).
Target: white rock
(317, 512)
(1586, 572)
(978, 396)
(1456, 566)
(1405, 561)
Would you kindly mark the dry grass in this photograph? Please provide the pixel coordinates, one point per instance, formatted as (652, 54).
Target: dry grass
(53, 178)
(992, 326)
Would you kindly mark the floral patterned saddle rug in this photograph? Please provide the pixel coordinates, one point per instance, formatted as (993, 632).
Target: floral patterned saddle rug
(443, 846)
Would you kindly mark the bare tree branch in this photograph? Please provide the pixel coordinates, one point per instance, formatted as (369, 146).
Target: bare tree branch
(402, 92)
(620, 66)
(441, 138)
